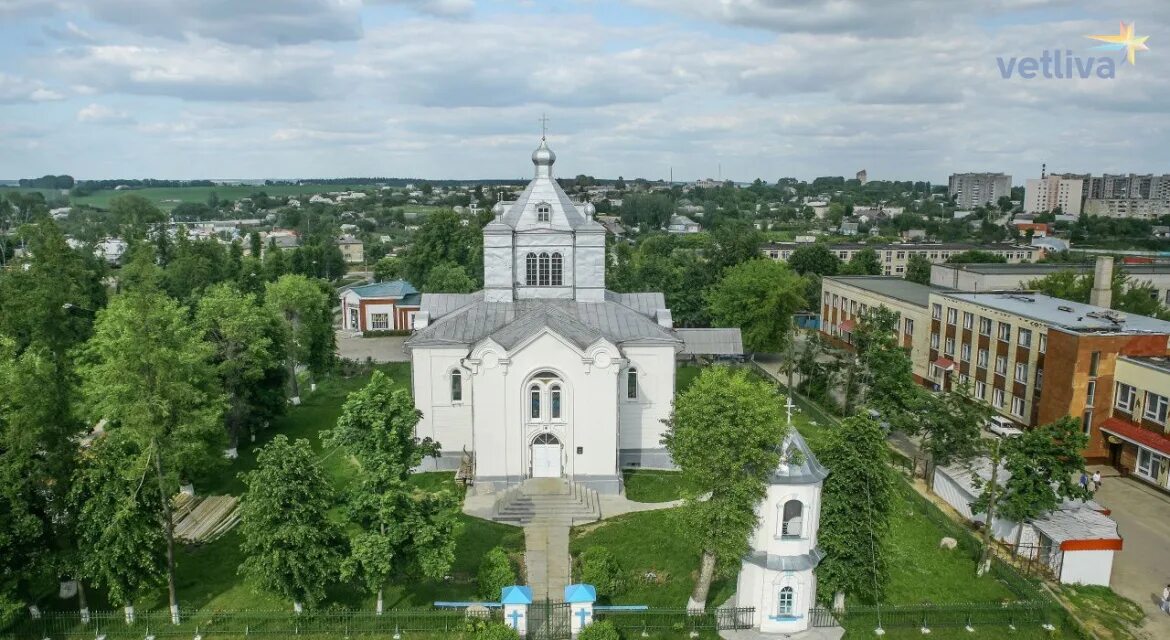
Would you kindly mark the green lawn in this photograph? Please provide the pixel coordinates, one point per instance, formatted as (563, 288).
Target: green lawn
(641, 545)
(1108, 615)
(650, 485)
(168, 198)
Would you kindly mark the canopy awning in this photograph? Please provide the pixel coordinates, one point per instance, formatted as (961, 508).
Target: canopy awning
(1137, 435)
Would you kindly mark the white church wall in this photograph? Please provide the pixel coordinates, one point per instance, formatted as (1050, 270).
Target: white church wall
(590, 266)
(769, 532)
(444, 420)
(497, 265)
(641, 419)
(545, 242)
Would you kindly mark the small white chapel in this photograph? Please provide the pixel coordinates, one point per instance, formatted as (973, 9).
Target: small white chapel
(545, 373)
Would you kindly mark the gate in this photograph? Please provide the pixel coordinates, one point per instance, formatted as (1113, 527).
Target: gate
(548, 620)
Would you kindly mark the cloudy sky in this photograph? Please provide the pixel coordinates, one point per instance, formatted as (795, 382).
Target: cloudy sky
(907, 89)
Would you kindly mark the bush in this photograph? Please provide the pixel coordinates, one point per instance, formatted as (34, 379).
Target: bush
(498, 631)
(599, 630)
(495, 573)
(598, 566)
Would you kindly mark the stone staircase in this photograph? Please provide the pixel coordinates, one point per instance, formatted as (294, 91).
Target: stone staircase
(548, 500)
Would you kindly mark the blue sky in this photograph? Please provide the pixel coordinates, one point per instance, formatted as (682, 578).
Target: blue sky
(906, 89)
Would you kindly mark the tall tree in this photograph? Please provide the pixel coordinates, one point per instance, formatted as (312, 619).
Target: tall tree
(724, 420)
(863, 263)
(249, 348)
(448, 277)
(758, 296)
(855, 511)
(148, 372)
(400, 529)
(814, 258)
(442, 238)
(306, 310)
(133, 215)
(951, 425)
(291, 547)
(918, 269)
(886, 371)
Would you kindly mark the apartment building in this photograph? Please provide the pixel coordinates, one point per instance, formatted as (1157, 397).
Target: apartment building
(894, 257)
(1006, 277)
(1042, 195)
(1136, 433)
(1141, 209)
(975, 189)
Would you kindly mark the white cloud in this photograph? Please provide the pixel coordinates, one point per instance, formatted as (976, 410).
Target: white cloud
(447, 8)
(94, 113)
(16, 89)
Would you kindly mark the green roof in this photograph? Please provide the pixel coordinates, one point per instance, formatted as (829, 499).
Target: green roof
(392, 289)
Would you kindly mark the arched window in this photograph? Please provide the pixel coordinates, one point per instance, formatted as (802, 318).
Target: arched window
(632, 383)
(557, 269)
(542, 212)
(791, 520)
(554, 400)
(534, 400)
(544, 268)
(530, 270)
(786, 602)
(456, 386)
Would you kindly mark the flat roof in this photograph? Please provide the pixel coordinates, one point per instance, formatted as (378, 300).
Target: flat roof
(1162, 363)
(1080, 267)
(903, 246)
(892, 287)
(1065, 314)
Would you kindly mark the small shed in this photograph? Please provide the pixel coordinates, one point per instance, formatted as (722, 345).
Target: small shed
(1078, 545)
(715, 343)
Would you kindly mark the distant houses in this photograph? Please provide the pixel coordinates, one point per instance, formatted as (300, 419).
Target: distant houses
(382, 306)
(683, 224)
(352, 249)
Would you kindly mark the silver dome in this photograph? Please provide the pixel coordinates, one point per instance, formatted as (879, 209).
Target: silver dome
(590, 210)
(543, 156)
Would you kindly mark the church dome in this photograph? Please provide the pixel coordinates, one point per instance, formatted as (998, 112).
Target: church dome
(543, 156)
(498, 208)
(590, 210)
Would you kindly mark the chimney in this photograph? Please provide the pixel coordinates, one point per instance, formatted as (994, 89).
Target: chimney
(1102, 294)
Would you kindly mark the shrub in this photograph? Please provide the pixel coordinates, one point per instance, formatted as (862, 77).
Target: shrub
(495, 573)
(497, 631)
(598, 566)
(599, 630)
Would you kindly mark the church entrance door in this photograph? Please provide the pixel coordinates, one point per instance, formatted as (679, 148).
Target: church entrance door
(546, 456)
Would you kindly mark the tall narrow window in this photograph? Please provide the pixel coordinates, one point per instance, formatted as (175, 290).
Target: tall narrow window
(557, 270)
(544, 267)
(632, 383)
(456, 386)
(530, 270)
(534, 399)
(786, 602)
(554, 401)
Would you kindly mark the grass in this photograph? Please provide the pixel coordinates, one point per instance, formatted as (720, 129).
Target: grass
(648, 485)
(640, 543)
(167, 198)
(1108, 615)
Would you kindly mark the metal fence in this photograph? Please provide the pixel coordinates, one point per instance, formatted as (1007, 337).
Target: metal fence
(928, 616)
(679, 620)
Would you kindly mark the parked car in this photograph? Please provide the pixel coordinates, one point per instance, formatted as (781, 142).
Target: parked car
(1003, 427)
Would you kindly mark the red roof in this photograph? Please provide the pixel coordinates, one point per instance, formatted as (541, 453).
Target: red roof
(1137, 435)
(944, 363)
(848, 325)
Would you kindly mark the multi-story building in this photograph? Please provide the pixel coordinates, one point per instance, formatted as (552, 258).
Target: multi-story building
(1007, 277)
(1142, 209)
(1136, 431)
(1042, 195)
(1032, 357)
(894, 257)
(976, 189)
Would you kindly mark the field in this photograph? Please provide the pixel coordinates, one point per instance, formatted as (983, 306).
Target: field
(168, 198)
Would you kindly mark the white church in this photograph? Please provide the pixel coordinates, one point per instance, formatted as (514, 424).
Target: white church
(545, 373)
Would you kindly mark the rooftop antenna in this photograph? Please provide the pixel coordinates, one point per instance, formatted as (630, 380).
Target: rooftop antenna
(543, 126)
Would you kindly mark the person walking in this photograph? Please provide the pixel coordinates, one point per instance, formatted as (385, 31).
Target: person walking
(1084, 481)
(1096, 481)
(1166, 600)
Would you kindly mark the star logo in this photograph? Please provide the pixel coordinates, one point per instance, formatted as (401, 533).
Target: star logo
(1125, 39)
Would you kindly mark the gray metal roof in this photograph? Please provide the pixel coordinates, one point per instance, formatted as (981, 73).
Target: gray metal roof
(711, 342)
(892, 287)
(437, 305)
(1065, 314)
(1079, 524)
(511, 322)
(808, 471)
(647, 303)
(803, 562)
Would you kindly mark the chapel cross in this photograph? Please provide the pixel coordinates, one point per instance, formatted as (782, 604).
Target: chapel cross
(543, 126)
(581, 615)
(515, 616)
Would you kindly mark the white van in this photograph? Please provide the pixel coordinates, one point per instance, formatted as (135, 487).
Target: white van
(1003, 427)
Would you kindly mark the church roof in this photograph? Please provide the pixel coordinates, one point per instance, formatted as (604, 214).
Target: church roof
(564, 214)
(510, 323)
(804, 468)
(802, 562)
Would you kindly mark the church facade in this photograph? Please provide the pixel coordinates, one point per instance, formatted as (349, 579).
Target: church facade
(545, 373)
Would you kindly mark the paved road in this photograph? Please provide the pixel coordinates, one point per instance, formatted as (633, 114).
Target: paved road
(1142, 568)
(385, 349)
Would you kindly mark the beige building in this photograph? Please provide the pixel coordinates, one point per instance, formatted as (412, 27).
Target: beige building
(894, 257)
(1127, 208)
(1007, 277)
(1137, 433)
(845, 300)
(1042, 195)
(352, 249)
(977, 189)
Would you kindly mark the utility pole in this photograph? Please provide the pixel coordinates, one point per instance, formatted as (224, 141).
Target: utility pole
(985, 559)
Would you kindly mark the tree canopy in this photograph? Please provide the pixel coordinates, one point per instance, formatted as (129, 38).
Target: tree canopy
(758, 296)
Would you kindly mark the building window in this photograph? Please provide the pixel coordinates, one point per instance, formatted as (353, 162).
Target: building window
(1125, 397)
(557, 270)
(456, 386)
(554, 401)
(934, 341)
(1156, 406)
(791, 519)
(786, 602)
(379, 321)
(949, 349)
(952, 316)
(1149, 464)
(936, 311)
(909, 327)
(1018, 406)
(1094, 362)
(1005, 332)
(997, 398)
(542, 212)
(632, 384)
(966, 351)
(1024, 338)
(1039, 379)
(544, 269)
(984, 326)
(530, 270)
(1022, 372)
(981, 389)
(534, 400)
(1087, 422)
(1001, 365)
(968, 320)
(983, 358)
(1090, 393)
(1043, 344)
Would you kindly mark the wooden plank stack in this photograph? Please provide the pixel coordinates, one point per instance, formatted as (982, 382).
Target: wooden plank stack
(204, 519)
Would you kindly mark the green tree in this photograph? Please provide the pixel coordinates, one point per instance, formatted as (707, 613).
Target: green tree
(291, 547)
(724, 420)
(599, 567)
(599, 630)
(855, 511)
(951, 425)
(148, 372)
(387, 269)
(249, 346)
(442, 238)
(918, 269)
(134, 214)
(863, 263)
(448, 277)
(1128, 294)
(975, 256)
(814, 258)
(886, 371)
(495, 573)
(400, 529)
(306, 310)
(758, 296)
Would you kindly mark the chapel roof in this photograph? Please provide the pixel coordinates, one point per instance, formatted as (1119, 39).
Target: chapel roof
(563, 215)
(803, 468)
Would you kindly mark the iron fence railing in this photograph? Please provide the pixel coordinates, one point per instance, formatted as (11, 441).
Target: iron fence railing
(928, 616)
(679, 619)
